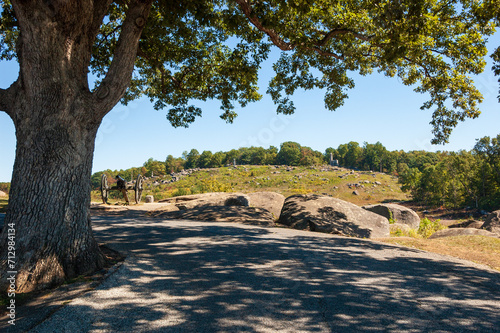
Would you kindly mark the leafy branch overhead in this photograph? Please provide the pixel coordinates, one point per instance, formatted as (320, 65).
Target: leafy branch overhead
(429, 44)
(202, 50)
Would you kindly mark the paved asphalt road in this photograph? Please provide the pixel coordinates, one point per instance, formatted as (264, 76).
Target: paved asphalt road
(215, 277)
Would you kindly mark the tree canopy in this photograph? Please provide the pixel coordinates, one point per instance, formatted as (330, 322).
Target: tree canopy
(199, 50)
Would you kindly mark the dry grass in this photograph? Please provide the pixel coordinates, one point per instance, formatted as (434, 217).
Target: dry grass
(478, 249)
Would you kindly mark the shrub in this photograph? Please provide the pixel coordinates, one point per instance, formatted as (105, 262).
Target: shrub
(428, 227)
(425, 230)
(392, 220)
(398, 232)
(181, 191)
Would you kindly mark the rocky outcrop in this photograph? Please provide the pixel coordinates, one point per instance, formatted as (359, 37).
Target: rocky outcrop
(3, 194)
(186, 202)
(396, 213)
(492, 222)
(462, 232)
(245, 215)
(331, 215)
(270, 201)
(227, 207)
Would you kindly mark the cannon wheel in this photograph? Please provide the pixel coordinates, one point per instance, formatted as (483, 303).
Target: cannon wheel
(104, 188)
(138, 188)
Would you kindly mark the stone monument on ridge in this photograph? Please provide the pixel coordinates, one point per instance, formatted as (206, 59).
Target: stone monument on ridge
(332, 161)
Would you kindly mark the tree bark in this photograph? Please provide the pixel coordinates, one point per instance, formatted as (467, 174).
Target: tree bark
(56, 119)
(49, 205)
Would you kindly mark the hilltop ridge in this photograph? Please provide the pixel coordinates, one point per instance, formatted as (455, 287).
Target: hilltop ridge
(359, 187)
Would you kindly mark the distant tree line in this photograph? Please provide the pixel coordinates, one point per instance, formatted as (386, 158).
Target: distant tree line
(290, 153)
(458, 179)
(451, 179)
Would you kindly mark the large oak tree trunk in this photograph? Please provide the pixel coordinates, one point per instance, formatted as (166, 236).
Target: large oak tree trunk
(56, 118)
(49, 204)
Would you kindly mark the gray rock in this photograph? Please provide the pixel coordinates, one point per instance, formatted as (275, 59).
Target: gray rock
(331, 215)
(492, 222)
(209, 199)
(398, 213)
(3, 194)
(149, 199)
(462, 232)
(270, 201)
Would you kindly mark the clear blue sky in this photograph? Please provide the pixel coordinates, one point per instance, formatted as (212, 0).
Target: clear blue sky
(378, 109)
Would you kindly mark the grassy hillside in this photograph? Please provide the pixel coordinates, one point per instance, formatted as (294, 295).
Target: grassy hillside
(371, 187)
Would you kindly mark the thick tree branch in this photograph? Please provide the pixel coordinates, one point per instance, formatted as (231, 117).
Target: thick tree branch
(4, 104)
(273, 35)
(101, 7)
(285, 46)
(117, 80)
(7, 100)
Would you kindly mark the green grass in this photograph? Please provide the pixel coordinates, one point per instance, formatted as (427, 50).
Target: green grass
(426, 228)
(281, 179)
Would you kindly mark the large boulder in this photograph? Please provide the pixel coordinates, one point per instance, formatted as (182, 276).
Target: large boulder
(271, 201)
(185, 202)
(331, 215)
(396, 213)
(3, 194)
(462, 232)
(492, 222)
(240, 214)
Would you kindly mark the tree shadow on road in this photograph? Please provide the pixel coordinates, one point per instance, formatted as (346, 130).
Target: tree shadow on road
(199, 277)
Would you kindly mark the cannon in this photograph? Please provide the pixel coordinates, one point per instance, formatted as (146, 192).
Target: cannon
(123, 187)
